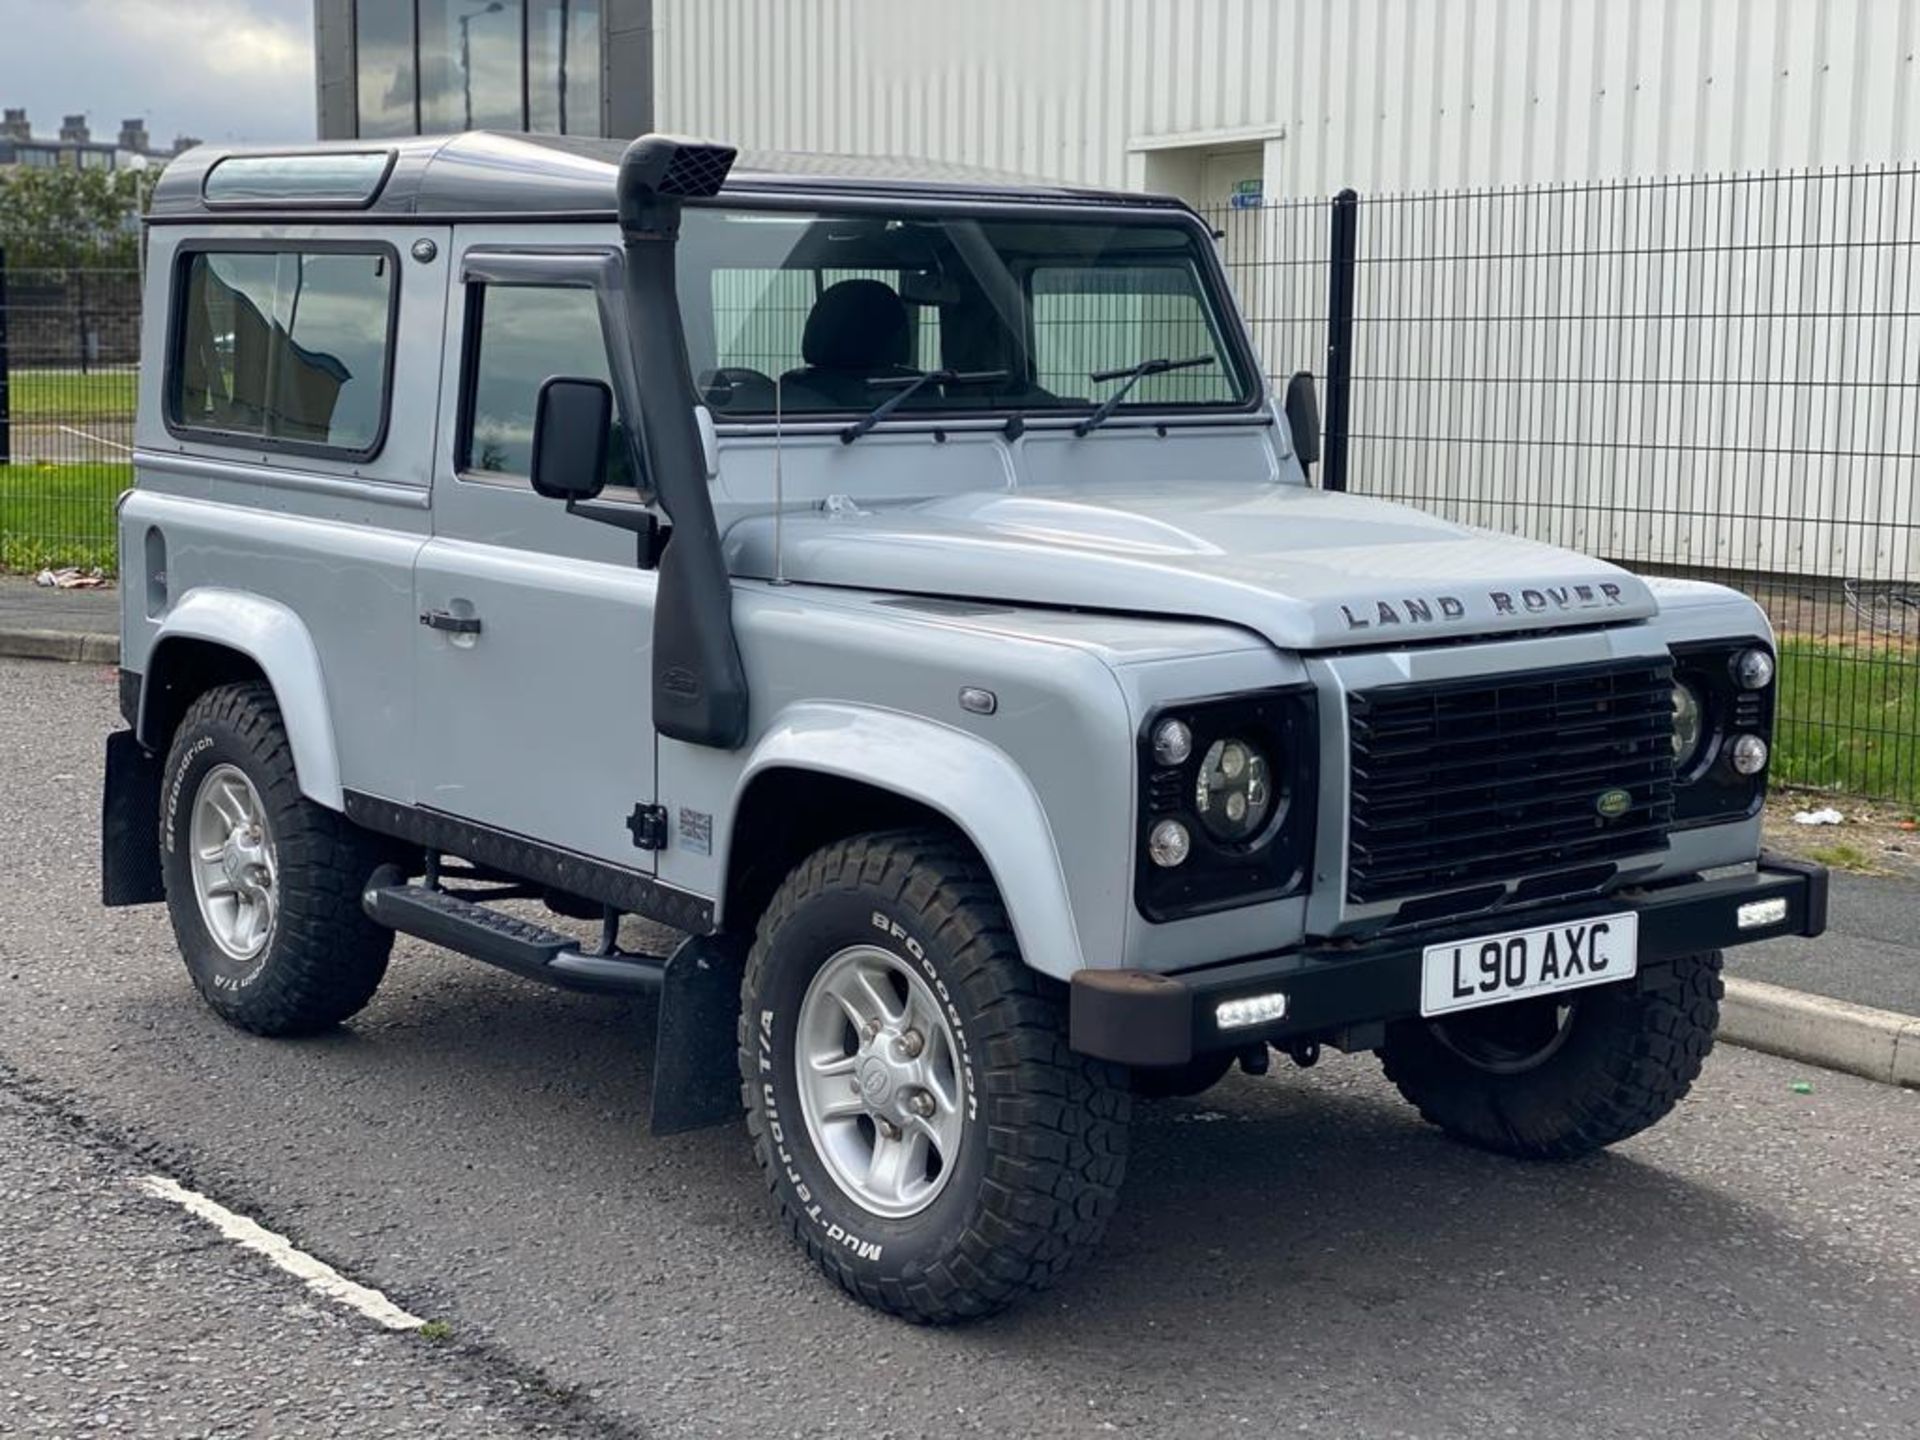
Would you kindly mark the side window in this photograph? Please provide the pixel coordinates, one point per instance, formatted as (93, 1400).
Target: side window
(527, 334)
(287, 347)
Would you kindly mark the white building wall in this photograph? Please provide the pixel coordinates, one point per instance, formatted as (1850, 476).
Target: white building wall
(1798, 472)
(1383, 95)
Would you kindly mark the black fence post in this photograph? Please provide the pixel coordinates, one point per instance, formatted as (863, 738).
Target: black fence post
(6, 399)
(1342, 250)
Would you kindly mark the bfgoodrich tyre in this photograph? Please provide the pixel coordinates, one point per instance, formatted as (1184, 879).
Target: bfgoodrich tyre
(929, 1138)
(263, 885)
(1560, 1077)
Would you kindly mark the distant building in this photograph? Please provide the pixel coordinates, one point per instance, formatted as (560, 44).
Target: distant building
(74, 148)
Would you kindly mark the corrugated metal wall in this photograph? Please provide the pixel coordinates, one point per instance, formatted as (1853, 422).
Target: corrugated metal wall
(1384, 95)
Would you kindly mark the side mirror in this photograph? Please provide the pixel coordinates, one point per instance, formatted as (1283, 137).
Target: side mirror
(571, 419)
(1303, 417)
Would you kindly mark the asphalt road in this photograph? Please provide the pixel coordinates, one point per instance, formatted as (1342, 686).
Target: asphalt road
(1297, 1254)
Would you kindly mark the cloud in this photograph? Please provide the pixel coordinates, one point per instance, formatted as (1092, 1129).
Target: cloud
(219, 69)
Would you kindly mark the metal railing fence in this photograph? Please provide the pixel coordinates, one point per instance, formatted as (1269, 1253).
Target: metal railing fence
(1714, 378)
(69, 354)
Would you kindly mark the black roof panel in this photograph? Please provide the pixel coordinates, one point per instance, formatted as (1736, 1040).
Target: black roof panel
(491, 173)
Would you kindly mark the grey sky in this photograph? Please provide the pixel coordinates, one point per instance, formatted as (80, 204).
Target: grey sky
(219, 69)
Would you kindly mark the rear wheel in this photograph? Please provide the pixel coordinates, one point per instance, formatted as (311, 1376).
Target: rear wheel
(1562, 1076)
(263, 886)
(930, 1140)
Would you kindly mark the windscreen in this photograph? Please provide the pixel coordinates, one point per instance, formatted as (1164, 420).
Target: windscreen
(816, 313)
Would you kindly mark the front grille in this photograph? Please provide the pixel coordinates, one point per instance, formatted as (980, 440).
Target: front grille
(1473, 782)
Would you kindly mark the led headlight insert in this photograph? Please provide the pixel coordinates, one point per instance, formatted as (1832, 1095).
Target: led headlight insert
(1689, 725)
(1233, 792)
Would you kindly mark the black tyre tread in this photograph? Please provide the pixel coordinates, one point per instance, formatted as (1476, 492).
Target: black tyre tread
(1057, 1121)
(329, 958)
(1656, 1038)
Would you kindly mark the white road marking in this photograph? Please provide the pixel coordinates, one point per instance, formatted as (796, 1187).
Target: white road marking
(317, 1274)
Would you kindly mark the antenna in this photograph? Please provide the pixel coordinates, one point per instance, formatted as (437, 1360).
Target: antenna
(779, 487)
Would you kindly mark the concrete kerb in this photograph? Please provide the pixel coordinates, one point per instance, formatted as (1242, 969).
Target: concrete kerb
(75, 646)
(1834, 1034)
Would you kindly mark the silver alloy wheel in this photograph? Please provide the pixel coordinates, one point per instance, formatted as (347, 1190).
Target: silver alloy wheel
(236, 869)
(881, 1084)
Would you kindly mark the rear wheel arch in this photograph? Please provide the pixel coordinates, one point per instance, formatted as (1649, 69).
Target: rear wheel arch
(213, 638)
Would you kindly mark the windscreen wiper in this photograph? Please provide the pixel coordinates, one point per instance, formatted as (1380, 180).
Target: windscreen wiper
(909, 386)
(1133, 375)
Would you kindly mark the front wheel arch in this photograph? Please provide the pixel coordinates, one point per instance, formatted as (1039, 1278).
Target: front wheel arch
(893, 769)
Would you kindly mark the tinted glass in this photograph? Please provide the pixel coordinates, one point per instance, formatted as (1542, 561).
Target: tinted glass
(563, 67)
(830, 313)
(383, 45)
(528, 335)
(289, 347)
(470, 60)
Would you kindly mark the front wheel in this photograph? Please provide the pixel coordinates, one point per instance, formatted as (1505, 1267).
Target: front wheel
(931, 1141)
(1561, 1076)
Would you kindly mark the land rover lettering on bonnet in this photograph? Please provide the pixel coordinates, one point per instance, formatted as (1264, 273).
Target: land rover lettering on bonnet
(905, 588)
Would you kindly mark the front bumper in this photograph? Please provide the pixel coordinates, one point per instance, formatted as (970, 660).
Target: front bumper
(1141, 1018)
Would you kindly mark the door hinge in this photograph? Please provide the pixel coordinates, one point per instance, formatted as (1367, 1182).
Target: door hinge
(648, 825)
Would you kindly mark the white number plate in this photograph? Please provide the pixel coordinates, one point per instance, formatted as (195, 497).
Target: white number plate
(1490, 969)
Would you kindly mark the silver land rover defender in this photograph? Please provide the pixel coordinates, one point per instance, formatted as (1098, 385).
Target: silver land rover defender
(904, 585)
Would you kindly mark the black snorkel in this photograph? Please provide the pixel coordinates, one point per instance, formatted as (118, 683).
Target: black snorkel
(699, 686)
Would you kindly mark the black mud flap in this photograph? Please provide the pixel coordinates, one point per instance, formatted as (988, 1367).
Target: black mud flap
(696, 1072)
(130, 824)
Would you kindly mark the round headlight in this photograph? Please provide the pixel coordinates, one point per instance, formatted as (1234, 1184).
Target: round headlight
(1752, 669)
(1172, 742)
(1233, 793)
(1168, 844)
(1689, 724)
(1748, 754)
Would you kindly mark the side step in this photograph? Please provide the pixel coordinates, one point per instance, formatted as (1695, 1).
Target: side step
(696, 1079)
(525, 948)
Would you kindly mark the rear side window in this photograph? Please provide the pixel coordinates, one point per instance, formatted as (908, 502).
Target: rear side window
(286, 349)
(526, 335)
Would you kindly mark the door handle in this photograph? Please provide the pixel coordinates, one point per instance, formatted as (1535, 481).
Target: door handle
(452, 624)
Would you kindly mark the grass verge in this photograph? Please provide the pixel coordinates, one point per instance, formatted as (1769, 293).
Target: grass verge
(1849, 719)
(54, 515)
(56, 395)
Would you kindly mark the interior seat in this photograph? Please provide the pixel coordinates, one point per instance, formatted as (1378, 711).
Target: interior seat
(858, 330)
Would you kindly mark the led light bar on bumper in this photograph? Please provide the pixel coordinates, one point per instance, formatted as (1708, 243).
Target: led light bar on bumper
(1723, 732)
(1228, 791)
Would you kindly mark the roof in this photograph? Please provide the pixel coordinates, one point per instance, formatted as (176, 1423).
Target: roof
(552, 176)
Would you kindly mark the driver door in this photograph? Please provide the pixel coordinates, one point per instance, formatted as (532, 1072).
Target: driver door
(534, 650)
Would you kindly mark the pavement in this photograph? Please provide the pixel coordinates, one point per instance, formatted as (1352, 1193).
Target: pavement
(1296, 1254)
(27, 606)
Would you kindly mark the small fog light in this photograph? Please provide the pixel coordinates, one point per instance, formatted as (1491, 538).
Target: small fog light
(1749, 754)
(1168, 844)
(1250, 1010)
(1753, 669)
(1757, 913)
(1172, 742)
